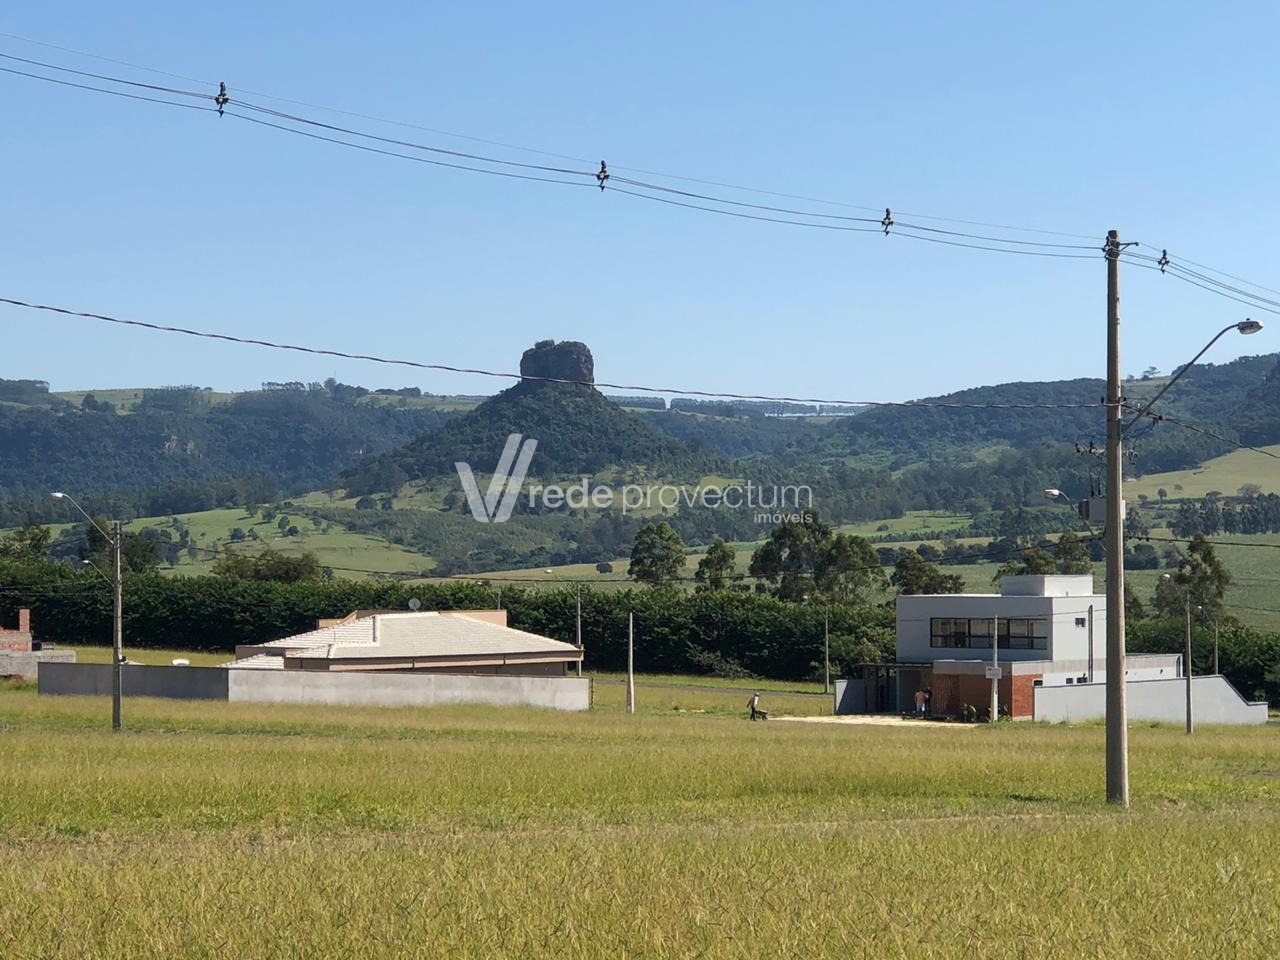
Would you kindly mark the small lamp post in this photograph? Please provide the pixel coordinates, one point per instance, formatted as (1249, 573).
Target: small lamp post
(1186, 666)
(577, 589)
(117, 596)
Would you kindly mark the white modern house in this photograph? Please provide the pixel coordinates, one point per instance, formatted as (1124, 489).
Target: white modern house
(1050, 634)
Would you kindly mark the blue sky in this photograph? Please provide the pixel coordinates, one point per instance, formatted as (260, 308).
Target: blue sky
(1156, 119)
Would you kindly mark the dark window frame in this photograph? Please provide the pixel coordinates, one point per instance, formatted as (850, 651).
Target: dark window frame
(974, 633)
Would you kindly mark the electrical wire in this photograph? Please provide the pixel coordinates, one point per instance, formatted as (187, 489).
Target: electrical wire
(589, 177)
(975, 246)
(416, 146)
(114, 93)
(1225, 286)
(532, 150)
(1213, 286)
(99, 76)
(1186, 425)
(741, 203)
(448, 368)
(404, 156)
(977, 236)
(911, 230)
(1216, 543)
(1229, 276)
(744, 216)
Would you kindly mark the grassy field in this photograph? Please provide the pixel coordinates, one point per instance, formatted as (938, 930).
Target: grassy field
(1255, 577)
(155, 657)
(234, 830)
(332, 543)
(909, 522)
(1226, 474)
(127, 398)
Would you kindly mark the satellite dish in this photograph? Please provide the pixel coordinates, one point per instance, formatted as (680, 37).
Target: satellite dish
(415, 603)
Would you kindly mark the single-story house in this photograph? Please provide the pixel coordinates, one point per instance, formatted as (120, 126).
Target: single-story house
(444, 641)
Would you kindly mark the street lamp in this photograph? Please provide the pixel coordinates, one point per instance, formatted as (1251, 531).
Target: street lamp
(117, 596)
(1117, 711)
(1186, 666)
(578, 604)
(1053, 493)
(826, 646)
(1246, 327)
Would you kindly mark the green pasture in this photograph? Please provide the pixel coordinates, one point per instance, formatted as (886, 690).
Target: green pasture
(332, 543)
(125, 399)
(910, 522)
(246, 831)
(1226, 474)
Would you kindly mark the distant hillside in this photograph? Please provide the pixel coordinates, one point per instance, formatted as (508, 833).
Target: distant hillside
(1257, 419)
(1209, 394)
(160, 450)
(298, 438)
(578, 429)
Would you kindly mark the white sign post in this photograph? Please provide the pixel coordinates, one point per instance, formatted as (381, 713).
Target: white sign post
(994, 672)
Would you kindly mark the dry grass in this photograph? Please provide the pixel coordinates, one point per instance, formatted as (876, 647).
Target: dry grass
(233, 830)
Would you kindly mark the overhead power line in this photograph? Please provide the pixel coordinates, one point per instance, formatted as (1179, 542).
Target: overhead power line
(1196, 428)
(405, 156)
(704, 181)
(475, 371)
(1253, 544)
(1167, 266)
(114, 93)
(291, 123)
(1180, 268)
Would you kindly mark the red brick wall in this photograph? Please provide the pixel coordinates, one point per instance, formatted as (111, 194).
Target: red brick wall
(951, 691)
(19, 640)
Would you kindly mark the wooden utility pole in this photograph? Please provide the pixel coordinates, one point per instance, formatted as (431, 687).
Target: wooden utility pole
(631, 663)
(826, 652)
(117, 627)
(1117, 718)
(579, 598)
(1186, 666)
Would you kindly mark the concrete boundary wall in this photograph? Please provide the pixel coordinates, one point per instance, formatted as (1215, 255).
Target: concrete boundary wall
(296, 686)
(136, 680)
(423, 690)
(1213, 701)
(27, 665)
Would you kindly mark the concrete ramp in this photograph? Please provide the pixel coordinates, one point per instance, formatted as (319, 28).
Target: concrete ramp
(1213, 701)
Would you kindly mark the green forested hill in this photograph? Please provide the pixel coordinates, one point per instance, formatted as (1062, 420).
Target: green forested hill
(183, 449)
(579, 431)
(1231, 396)
(297, 439)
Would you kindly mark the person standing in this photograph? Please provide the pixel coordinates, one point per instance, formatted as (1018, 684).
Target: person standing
(921, 699)
(754, 705)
